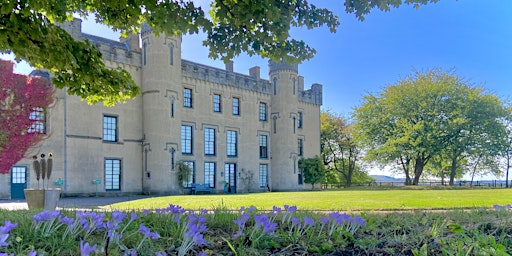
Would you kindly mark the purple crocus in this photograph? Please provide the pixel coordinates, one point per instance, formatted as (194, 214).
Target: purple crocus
(45, 216)
(147, 233)
(308, 221)
(86, 249)
(4, 232)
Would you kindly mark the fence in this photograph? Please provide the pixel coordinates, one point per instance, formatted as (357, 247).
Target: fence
(461, 183)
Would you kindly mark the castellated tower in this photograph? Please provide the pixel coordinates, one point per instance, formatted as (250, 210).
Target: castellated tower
(284, 100)
(161, 84)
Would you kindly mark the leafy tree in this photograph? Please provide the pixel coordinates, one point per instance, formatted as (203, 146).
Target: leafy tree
(313, 170)
(22, 102)
(340, 152)
(427, 114)
(29, 29)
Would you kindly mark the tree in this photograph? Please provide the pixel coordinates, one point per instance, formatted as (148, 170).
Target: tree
(313, 170)
(29, 29)
(23, 101)
(340, 152)
(426, 114)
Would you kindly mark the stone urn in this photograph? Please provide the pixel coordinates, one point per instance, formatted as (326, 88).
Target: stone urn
(42, 198)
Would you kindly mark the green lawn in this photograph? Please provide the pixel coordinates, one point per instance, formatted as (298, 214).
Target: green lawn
(343, 200)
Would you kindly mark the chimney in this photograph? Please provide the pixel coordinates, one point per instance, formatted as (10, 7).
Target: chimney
(229, 66)
(132, 41)
(255, 72)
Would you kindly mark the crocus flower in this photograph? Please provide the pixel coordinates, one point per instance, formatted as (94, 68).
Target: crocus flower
(86, 249)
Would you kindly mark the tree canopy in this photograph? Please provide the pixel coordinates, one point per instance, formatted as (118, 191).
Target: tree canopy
(28, 28)
(427, 115)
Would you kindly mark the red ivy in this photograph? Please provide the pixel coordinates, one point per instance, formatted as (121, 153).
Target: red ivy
(19, 95)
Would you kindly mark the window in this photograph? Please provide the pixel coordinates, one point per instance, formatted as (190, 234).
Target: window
(263, 175)
(144, 50)
(274, 123)
(171, 54)
(112, 174)
(19, 175)
(186, 139)
(300, 148)
(299, 176)
(293, 88)
(263, 146)
(263, 112)
(274, 81)
(38, 118)
(299, 121)
(209, 174)
(236, 106)
(110, 128)
(209, 141)
(231, 144)
(187, 98)
(216, 103)
(191, 179)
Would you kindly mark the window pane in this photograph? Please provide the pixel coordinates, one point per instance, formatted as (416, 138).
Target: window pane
(112, 174)
(209, 174)
(216, 103)
(187, 98)
(231, 143)
(263, 175)
(263, 111)
(263, 146)
(186, 139)
(110, 128)
(236, 106)
(209, 141)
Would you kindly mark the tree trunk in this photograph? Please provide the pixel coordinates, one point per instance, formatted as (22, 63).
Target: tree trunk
(418, 170)
(405, 167)
(453, 171)
(474, 171)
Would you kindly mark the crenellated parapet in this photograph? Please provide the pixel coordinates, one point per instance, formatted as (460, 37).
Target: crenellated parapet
(281, 66)
(313, 95)
(220, 76)
(115, 51)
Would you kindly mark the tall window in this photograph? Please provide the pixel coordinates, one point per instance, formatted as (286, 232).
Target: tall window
(112, 174)
(187, 98)
(216, 103)
(299, 176)
(110, 128)
(144, 50)
(192, 177)
(231, 143)
(263, 175)
(275, 85)
(209, 174)
(299, 121)
(186, 139)
(171, 54)
(38, 118)
(263, 111)
(263, 146)
(293, 88)
(236, 106)
(209, 141)
(300, 149)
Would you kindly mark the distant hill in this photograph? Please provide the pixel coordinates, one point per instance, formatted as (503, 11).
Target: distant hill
(384, 178)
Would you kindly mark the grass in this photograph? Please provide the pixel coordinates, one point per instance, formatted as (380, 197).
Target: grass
(480, 230)
(341, 200)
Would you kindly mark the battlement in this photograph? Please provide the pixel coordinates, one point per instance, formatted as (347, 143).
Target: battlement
(115, 51)
(224, 77)
(279, 66)
(313, 95)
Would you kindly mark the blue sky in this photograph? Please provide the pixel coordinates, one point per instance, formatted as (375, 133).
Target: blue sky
(473, 37)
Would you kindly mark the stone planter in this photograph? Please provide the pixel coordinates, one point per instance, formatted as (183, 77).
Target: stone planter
(42, 198)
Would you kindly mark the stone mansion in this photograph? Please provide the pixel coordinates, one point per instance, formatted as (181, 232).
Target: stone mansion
(233, 130)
